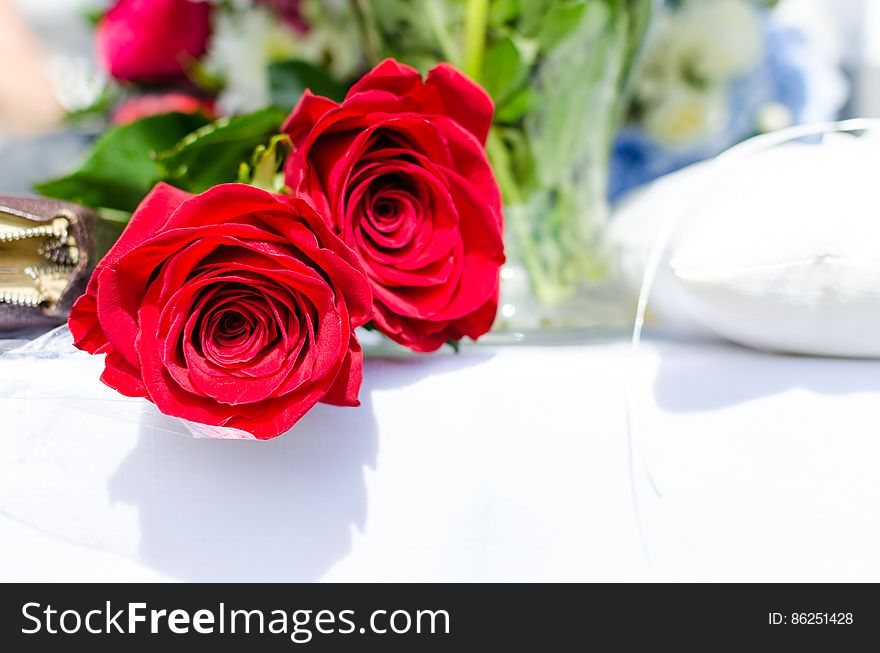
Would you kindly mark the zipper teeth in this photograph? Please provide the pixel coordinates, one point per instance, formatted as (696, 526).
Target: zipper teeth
(60, 259)
(34, 232)
(20, 299)
(37, 272)
(59, 253)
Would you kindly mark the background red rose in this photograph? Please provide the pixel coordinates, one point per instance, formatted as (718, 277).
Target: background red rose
(289, 11)
(143, 106)
(152, 39)
(400, 170)
(233, 308)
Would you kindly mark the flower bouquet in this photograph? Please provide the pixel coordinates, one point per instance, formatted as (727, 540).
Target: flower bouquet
(277, 200)
(717, 73)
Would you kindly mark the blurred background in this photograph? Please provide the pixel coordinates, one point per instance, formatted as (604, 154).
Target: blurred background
(712, 74)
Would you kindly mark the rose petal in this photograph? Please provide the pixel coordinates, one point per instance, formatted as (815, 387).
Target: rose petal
(347, 385)
(307, 111)
(84, 324)
(388, 76)
(460, 98)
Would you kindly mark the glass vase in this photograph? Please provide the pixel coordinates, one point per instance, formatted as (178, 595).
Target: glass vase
(558, 72)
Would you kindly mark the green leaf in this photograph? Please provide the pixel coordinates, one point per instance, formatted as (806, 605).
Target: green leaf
(534, 12)
(522, 162)
(212, 154)
(516, 107)
(120, 170)
(114, 216)
(288, 80)
(505, 68)
(562, 19)
(502, 12)
(550, 21)
(93, 15)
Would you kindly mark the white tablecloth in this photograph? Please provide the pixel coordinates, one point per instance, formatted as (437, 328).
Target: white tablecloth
(495, 464)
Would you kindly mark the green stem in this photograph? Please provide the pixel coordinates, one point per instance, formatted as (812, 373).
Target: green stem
(547, 287)
(438, 25)
(369, 31)
(498, 156)
(476, 21)
(516, 216)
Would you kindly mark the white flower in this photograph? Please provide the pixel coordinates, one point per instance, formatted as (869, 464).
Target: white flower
(719, 39)
(704, 43)
(685, 116)
(247, 39)
(78, 83)
(242, 46)
(657, 69)
(773, 116)
(325, 45)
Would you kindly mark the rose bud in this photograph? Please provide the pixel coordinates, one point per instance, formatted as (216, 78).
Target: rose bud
(400, 170)
(152, 39)
(231, 308)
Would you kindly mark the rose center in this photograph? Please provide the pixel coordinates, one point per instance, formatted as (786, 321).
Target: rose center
(384, 209)
(388, 208)
(232, 325)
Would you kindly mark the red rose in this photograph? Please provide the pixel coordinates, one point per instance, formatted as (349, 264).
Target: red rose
(234, 308)
(400, 170)
(152, 39)
(153, 104)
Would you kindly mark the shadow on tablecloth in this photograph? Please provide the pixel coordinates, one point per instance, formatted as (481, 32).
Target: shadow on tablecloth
(224, 510)
(712, 376)
(281, 510)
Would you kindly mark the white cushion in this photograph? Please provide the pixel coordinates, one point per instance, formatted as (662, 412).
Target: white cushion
(780, 251)
(783, 250)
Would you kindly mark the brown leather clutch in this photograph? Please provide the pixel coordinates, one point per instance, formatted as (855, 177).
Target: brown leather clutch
(46, 252)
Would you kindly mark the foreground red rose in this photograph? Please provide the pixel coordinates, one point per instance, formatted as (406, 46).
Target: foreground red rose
(152, 104)
(152, 39)
(400, 169)
(233, 308)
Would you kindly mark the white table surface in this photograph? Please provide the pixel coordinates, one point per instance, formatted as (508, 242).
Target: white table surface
(495, 464)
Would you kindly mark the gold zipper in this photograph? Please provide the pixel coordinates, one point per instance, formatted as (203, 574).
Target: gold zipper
(37, 262)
